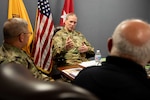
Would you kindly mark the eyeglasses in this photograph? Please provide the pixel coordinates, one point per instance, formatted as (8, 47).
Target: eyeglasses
(28, 33)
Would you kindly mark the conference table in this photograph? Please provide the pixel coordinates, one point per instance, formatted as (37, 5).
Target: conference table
(71, 71)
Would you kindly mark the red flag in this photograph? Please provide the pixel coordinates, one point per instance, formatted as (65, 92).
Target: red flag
(68, 8)
(44, 30)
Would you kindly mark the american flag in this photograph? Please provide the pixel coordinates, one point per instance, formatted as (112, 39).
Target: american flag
(44, 31)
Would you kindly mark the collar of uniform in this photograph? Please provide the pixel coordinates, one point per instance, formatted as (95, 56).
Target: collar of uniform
(68, 31)
(10, 47)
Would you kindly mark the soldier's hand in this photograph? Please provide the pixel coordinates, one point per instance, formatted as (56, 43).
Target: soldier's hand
(83, 48)
(69, 43)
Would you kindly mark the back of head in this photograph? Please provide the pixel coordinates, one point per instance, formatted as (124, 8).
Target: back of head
(17, 83)
(131, 39)
(13, 27)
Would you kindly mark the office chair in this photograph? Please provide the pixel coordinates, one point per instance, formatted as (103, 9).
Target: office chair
(57, 28)
(17, 83)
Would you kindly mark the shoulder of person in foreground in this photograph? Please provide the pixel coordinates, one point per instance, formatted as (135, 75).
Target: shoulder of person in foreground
(85, 74)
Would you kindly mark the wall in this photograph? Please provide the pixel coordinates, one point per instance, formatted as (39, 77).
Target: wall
(96, 18)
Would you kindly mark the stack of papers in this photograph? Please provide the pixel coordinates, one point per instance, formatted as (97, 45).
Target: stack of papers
(90, 63)
(73, 72)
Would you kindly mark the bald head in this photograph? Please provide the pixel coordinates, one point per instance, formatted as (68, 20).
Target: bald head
(131, 39)
(136, 31)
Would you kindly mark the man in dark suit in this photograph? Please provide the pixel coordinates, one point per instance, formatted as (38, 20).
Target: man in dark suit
(122, 76)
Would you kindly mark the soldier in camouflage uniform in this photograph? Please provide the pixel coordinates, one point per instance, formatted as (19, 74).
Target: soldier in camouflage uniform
(69, 46)
(16, 36)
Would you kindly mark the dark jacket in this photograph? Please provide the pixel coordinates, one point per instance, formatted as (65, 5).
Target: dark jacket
(116, 79)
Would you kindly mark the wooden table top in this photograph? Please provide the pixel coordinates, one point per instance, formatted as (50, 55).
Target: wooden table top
(70, 77)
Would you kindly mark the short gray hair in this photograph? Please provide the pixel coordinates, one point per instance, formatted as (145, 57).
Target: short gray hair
(13, 27)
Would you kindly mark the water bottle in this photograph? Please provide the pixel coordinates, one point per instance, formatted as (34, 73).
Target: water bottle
(98, 57)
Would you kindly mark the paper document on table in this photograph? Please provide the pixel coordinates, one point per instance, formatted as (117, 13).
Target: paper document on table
(90, 63)
(73, 72)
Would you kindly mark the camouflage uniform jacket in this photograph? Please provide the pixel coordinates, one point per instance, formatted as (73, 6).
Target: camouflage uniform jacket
(73, 56)
(10, 53)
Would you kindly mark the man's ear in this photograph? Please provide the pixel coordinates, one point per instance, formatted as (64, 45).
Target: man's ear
(21, 37)
(109, 44)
